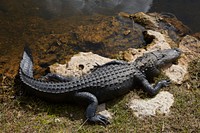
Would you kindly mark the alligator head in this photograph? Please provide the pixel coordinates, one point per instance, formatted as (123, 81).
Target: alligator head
(150, 63)
(166, 56)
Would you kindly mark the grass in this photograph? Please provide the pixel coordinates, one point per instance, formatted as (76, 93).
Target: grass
(29, 114)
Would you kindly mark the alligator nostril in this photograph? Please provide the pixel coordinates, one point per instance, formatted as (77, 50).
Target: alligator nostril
(178, 50)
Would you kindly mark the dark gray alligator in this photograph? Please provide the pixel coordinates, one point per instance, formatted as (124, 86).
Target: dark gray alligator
(104, 83)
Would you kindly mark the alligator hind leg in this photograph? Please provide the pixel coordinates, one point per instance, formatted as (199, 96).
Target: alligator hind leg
(152, 90)
(91, 108)
(57, 77)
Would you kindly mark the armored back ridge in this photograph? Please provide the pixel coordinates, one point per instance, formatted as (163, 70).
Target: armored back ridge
(104, 83)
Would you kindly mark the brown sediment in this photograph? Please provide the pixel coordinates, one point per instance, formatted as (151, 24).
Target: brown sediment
(53, 40)
(196, 35)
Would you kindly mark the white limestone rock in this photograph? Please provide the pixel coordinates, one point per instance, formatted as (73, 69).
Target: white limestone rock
(160, 42)
(79, 64)
(160, 104)
(176, 72)
(190, 47)
(101, 109)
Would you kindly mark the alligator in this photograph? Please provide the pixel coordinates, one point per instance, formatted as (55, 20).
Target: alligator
(101, 84)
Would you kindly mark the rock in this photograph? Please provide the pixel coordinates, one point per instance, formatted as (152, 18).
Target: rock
(127, 55)
(190, 47)
(163, 22)
(197, 35)
(106, 113)
(176, 72)
(160, 42)
(79, 64)
(101, 109)
(131, 54)
(174, 24)
(160, 104)
(145, 20)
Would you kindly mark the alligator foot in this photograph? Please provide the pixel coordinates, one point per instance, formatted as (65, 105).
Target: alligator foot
(164, 83)
(100, 119)
(152, 90)
(91, 108)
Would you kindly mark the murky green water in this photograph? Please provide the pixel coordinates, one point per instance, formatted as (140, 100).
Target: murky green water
(187, 11)
(27, 21)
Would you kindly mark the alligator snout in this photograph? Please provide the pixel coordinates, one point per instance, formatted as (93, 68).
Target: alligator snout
(178, 50)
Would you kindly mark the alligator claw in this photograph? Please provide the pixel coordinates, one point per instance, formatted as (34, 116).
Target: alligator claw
(99, 119)
(166, 83)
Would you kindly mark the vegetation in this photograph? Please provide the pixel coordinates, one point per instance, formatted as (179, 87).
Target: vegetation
(29, 114)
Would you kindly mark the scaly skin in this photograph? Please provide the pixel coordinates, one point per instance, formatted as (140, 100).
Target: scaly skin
(104, 83)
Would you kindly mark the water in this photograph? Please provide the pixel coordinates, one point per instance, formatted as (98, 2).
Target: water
(109, 7)
(26, 21)
(188, 11)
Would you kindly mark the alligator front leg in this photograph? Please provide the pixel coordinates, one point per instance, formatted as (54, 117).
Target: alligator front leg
(149, 88)
(91, 108)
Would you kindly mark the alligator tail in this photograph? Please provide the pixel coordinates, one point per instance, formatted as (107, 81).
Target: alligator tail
(26, 65)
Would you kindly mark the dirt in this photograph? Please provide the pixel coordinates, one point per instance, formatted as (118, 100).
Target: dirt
(29, 114)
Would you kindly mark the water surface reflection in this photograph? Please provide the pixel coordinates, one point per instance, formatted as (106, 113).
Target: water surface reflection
(108, 7)
(187, 11)
(26, 21)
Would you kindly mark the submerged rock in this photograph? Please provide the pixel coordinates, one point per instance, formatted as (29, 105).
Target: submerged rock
(161, 22)
(103, 35)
